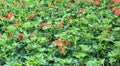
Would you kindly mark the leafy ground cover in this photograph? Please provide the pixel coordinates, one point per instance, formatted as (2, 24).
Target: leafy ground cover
(59, 32)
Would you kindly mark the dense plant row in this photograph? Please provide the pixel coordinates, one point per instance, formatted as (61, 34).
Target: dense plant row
(60, 32)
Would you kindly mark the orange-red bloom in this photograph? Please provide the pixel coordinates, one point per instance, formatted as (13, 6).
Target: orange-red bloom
(60, 24)
(21, 35)
(60, 43)
(81, 10)
(9, 15)
(90, 1)
(22, 4)
(67, 42)
(31, 17)
(115, 1)
(43, 24)
(117, 12)
(97, 2)
(51, 5)
(62, 49)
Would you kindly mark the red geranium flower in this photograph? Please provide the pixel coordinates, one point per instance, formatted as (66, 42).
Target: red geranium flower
(60, 24)
(90, 1)
(61, 48)
(22, 4)
(67, 42)
(114, 8)
(59, 42)
(43, 24)
(9, 15)
(51, 5)
(115, 1)
(21, 35)
(56, 41)
(97, 2)
(117, 12)
(81, 10)
(31, 17)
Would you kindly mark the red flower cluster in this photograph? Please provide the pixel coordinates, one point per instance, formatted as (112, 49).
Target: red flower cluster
(17, 23)
(31, 17)
(45, 24)
(97, 2)
(22, 4)
(9, 15)
(60, 43)
(51, 5)
(115, 1)
(80, 11)
(21, 35)
(60, 24)
(90, 1)
(115, 10)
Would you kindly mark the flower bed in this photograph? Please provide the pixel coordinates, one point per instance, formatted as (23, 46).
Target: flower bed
(60, 32)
